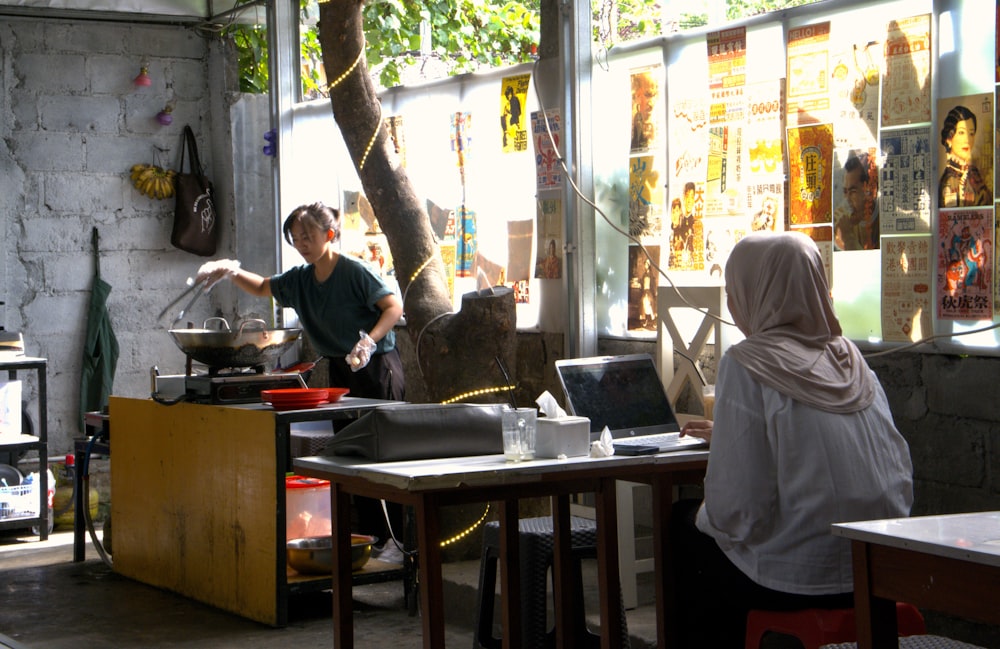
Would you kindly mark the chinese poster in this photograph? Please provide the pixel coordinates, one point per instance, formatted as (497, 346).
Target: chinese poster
(906, 288)
(810, 159)
(906, 171)
(856, 215)
(965, 153)
(645, 197)
(964, 265)
(906, 85)
(688, 168)
(808, 74)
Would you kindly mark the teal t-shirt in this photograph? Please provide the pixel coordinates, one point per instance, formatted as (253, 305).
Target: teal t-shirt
(332, 312)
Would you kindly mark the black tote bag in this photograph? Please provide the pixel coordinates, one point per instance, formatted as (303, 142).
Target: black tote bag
(195, 224)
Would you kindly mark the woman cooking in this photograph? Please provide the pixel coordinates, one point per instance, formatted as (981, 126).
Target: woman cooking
(345, 309)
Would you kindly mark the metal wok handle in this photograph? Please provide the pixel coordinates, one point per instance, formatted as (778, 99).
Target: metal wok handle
(263, 327)
(225, 323)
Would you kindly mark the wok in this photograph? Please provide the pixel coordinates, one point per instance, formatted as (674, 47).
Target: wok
(252, 344)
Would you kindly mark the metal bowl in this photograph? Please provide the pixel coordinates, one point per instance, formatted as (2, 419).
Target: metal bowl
(313, 555)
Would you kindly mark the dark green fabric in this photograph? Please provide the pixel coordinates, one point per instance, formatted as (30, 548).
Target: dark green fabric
(100, 352)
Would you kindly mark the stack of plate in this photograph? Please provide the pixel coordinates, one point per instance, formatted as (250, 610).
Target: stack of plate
(295, 398)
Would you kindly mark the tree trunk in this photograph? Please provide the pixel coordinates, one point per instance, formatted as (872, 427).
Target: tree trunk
(456, 352)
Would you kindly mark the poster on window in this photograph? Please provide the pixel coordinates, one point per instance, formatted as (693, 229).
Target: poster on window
(688, 170)
(546, 133)
(646, 195)
(764, 162)
(513, 94)
(808, 74)
(727, 60)
(906, 84)
(906, 288)
(810, 160)
(648, 116)
(856, 211)
(642, 286)
(519, 237)
(548, 256)
(964, 264)
(965, 153)
(905, 202)
(854, 92)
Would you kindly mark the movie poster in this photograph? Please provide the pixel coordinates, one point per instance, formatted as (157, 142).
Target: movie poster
(906, 84)
(642, 284)
(810, 160)
(645, 197)
(905, 202)
(688, 170)
(648, 116)
(548, 256)
(854, 94)
(547, 138)
(906, 288)
(513, 95)
(856, 211)
(964, 264)
(764, 162)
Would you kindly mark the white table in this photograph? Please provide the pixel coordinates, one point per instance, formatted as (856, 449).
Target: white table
(429, 485)
(949, 563)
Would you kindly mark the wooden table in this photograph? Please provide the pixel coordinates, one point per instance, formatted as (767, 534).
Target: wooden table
(429, 485)
(948, 563)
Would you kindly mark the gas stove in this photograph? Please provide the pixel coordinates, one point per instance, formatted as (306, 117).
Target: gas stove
(224, 386)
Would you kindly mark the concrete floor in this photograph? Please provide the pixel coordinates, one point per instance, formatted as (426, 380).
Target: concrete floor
(49, 602)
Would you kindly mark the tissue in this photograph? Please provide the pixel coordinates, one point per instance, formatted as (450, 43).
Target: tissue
(558, 435)
(603, 447)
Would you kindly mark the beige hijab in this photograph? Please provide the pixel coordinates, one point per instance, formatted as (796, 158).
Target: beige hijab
(780, 300)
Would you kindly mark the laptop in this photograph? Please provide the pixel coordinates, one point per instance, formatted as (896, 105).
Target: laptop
(625, 394)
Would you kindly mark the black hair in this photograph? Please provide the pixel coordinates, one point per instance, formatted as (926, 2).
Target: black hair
(857, 163)
(315, 215)
(951, 120)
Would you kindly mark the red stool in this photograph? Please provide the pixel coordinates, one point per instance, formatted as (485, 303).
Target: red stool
(816, 627)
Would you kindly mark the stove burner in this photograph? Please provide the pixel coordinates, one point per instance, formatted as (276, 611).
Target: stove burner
(236, 371)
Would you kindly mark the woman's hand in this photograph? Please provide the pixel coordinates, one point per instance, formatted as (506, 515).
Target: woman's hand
(701, 428)
(213, 272)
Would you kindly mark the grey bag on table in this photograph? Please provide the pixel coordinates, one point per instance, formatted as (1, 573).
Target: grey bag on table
(421, 431)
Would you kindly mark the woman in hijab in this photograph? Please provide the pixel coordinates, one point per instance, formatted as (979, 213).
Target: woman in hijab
(802, 438)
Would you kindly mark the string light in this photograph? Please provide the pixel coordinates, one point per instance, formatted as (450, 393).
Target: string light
(479, 393)
(469, 530)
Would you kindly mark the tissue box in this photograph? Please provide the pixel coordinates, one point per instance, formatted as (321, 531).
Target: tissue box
(555, 436)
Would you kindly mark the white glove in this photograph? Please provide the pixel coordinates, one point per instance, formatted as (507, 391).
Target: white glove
(213, 272)
(362, 352)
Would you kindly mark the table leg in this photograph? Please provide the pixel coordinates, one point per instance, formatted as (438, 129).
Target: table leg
(666, 616)
(562, 575)
(608, 576)
(79, 498)
(343, 599)
(429, 569)
(510, 572)
(875, 617)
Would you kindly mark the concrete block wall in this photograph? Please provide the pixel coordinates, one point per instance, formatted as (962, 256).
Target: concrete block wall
(72, 125)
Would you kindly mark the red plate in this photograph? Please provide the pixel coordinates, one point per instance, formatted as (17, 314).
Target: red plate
(334, 394)
(294, 398)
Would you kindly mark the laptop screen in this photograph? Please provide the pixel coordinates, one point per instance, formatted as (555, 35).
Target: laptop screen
(623, 393)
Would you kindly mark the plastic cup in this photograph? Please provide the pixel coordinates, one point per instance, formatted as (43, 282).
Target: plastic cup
(708, 400)
(519, 433)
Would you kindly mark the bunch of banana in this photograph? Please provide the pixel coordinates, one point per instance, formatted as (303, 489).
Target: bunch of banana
(153, 181)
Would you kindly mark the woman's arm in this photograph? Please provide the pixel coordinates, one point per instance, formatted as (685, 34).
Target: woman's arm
(392, 311)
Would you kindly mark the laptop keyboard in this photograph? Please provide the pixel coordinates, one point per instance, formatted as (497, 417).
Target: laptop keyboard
(663, 440)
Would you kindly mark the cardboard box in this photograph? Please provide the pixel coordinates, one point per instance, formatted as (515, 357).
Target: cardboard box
(557, 436)
(10, 407)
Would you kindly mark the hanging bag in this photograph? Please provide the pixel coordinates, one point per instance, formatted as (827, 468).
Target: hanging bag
(195, 224)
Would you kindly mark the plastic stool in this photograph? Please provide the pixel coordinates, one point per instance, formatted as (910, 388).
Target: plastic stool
(536, 543)
(815, 627)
